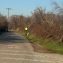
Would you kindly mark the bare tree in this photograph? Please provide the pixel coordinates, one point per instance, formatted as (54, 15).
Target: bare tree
(58, 8)
(39, 15)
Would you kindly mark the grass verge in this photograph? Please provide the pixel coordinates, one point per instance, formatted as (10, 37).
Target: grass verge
(46, 44)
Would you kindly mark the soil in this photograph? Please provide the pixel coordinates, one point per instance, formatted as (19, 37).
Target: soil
(40, 49)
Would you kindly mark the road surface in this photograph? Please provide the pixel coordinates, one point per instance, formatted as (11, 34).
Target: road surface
(14, 48)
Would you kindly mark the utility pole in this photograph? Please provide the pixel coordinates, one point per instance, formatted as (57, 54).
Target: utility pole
(8, 12)
(8, 9)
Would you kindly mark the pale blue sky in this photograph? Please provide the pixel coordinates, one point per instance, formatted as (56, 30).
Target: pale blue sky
(25, 7)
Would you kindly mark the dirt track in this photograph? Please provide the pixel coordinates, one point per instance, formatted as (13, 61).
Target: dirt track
(16, 49)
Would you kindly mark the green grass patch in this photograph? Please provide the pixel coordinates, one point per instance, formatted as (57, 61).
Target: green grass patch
(52, 45)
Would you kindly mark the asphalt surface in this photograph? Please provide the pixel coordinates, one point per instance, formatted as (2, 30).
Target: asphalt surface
(14, 48)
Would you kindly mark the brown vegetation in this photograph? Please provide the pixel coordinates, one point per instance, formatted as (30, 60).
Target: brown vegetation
(42, 24)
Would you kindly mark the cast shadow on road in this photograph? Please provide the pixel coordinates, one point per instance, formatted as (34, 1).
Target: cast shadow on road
(11, 37)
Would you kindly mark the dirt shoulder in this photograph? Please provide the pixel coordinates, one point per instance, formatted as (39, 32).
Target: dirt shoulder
(39, 49)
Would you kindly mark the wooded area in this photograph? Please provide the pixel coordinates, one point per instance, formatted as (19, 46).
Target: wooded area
(40, 23)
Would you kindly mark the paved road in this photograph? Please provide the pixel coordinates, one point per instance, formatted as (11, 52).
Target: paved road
(16, 49)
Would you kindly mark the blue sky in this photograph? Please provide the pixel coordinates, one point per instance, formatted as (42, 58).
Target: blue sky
(25, 7)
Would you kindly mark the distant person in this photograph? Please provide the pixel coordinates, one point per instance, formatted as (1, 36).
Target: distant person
(26, 31)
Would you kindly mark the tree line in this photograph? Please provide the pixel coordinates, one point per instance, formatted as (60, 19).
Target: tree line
(40, 23)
